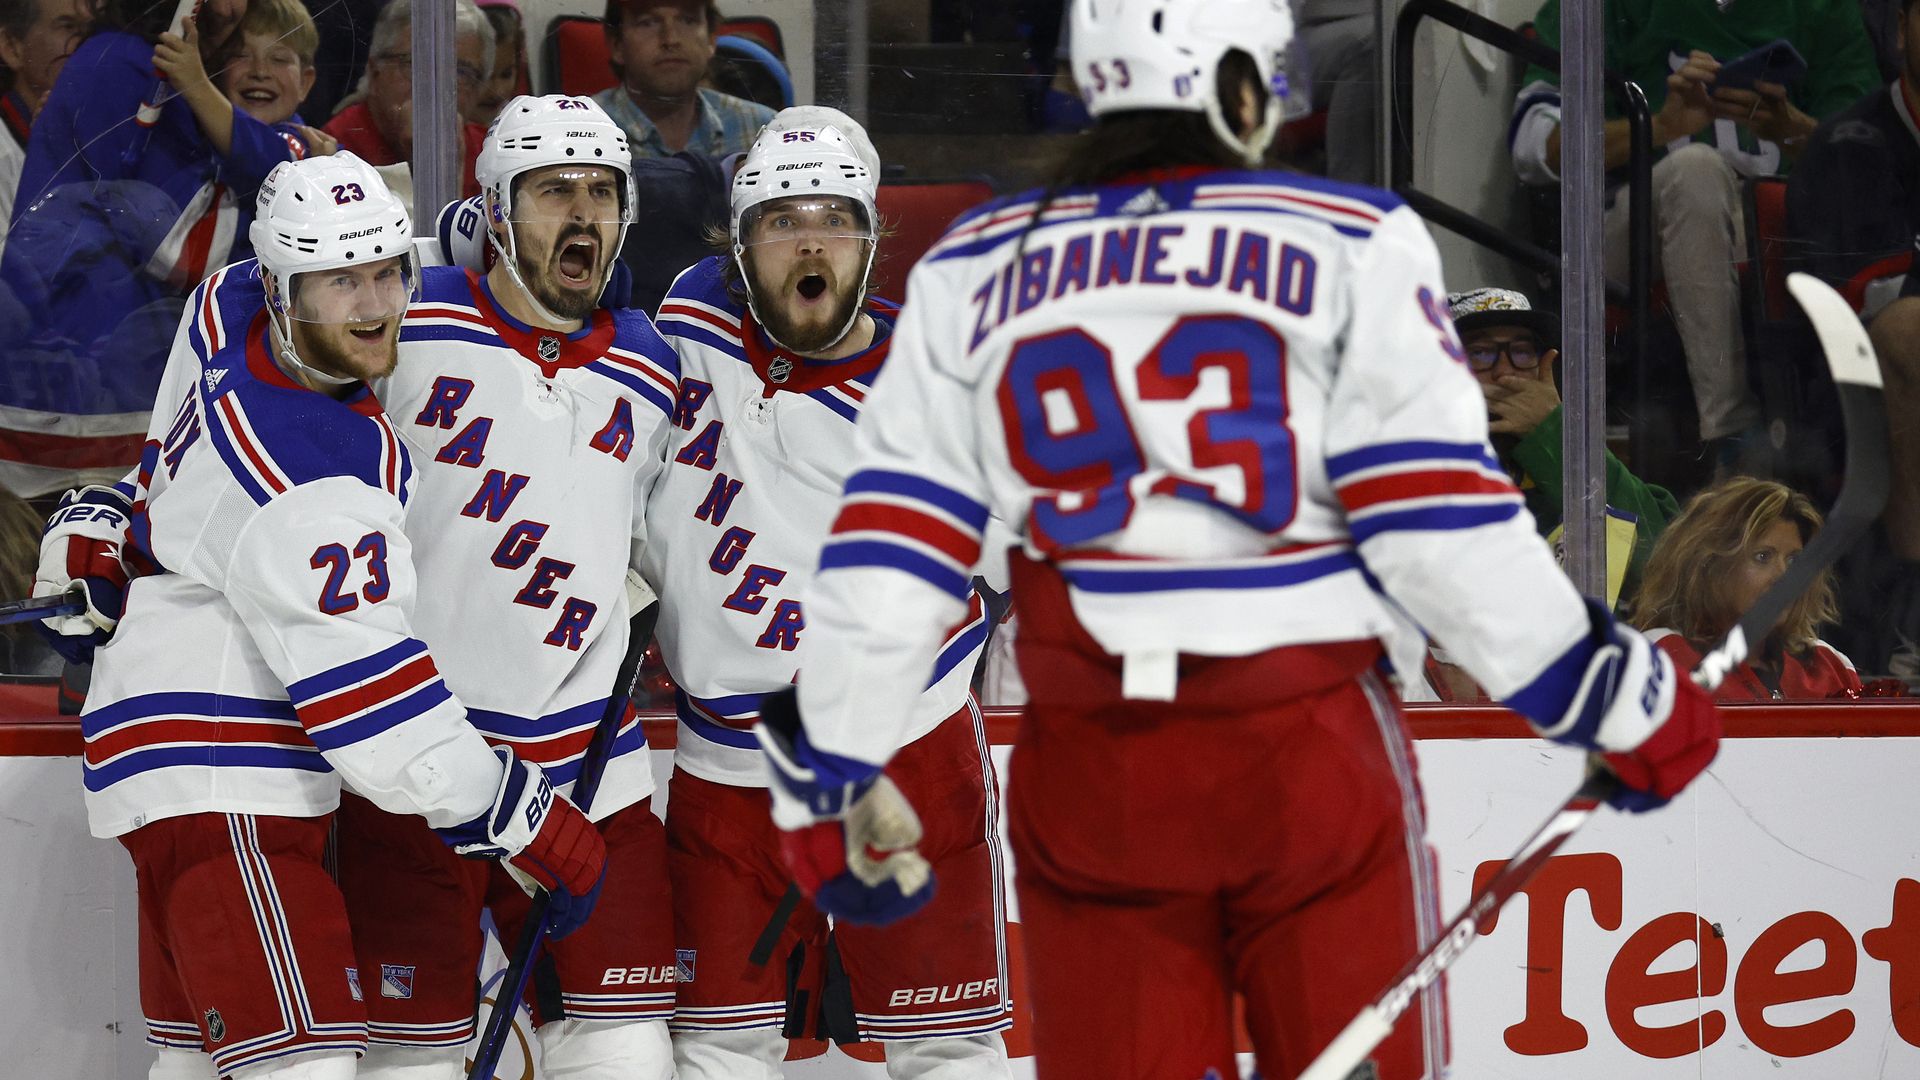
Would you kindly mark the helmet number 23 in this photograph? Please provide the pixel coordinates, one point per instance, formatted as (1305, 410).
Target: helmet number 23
(347, 193)
(1071, 432)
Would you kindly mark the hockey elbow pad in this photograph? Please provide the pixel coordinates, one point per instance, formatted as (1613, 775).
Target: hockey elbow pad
(542, 839)
(847, 834)
(1652, 725)
(81, 553)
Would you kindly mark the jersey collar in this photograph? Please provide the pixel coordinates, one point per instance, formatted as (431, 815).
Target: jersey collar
(800, 374)
(550, 350)
(261, 365)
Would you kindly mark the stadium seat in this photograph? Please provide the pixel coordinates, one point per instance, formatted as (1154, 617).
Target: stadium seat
(760, 28)
(577, 56)
(917, 213)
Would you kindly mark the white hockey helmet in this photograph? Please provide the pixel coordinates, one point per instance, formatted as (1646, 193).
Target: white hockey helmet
(535, 132)
(818, 162)
(1165, 54)
(327, 213)
(788, 161)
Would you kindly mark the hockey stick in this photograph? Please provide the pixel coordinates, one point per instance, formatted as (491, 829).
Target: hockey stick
(40, 607)
(1863, 494)
(592, 766)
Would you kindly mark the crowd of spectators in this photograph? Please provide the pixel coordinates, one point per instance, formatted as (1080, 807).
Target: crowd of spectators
(113, 221)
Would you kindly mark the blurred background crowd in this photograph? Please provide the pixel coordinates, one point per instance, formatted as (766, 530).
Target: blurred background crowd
(1781, 136)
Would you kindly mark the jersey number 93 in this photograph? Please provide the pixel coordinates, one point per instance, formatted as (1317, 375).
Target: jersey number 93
(1070, 431)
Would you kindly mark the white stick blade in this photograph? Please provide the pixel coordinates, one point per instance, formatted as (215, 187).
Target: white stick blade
(1842, 337)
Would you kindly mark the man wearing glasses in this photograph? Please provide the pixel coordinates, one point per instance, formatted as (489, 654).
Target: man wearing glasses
(378, 126)
(1508, 348)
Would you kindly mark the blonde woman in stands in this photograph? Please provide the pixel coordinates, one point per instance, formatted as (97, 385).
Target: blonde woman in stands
(1732, 542)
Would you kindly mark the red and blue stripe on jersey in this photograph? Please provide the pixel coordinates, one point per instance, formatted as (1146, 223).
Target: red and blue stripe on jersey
(558, 741)
(1352, 210)
(729, 720)
(1421, 486)
(907, 523)
(165, 730)
(272, 433)
(359, 700)
(337, 708)
(621, 345)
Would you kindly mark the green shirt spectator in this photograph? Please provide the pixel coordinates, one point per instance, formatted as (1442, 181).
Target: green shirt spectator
(1507, 346)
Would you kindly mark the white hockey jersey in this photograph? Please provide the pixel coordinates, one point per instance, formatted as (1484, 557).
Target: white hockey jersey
(761, 446)
(271, 641)
(1229, 406)
(536, 451)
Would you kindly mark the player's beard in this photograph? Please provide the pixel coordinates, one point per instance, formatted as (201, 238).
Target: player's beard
(541, 272)
(807, 328)
(335, 349)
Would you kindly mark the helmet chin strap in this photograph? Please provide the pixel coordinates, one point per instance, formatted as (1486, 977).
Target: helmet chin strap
(746, 278)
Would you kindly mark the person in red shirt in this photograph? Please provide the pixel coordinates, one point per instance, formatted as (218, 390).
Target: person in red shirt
(379, 125)
(1733, 541)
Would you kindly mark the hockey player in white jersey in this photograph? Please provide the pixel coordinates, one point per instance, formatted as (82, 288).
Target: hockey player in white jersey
(1227, 412)
(268, 655)
(780, 343)
(537, 418)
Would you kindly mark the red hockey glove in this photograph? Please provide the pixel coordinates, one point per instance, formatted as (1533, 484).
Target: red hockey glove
(541, 839)
(847, 835)
(1677, 751)
(80, 553)
(1655, 728)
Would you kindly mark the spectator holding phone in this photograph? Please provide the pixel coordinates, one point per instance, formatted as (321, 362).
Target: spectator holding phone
(1707, 136)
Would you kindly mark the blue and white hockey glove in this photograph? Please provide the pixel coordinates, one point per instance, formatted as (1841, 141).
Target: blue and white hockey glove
(846, 833)
(541, 839)
(1652, 725)
(80, 553)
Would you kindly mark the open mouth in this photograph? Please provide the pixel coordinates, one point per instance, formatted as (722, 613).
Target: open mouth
(576, 261)
(259, 97)
(368, 332)
(812, 287)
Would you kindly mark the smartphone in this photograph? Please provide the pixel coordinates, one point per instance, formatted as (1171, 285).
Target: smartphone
(1775, 62)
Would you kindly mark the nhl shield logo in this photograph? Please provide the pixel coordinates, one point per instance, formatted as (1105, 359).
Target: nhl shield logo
(779, 369)
(216, 1027)
(396, 981)
(683, 964)
(549, 349)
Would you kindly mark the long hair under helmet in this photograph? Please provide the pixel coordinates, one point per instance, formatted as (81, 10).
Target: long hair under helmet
(1137, 55)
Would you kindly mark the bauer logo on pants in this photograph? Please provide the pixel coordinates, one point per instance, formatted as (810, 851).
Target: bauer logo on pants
(683, 964)
(396, 980)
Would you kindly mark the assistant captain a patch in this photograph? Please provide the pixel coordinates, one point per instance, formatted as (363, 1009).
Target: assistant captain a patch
(396, 980)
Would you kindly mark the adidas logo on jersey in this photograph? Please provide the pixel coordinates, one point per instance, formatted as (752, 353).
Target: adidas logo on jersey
(214, 377)
(1147, 202)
